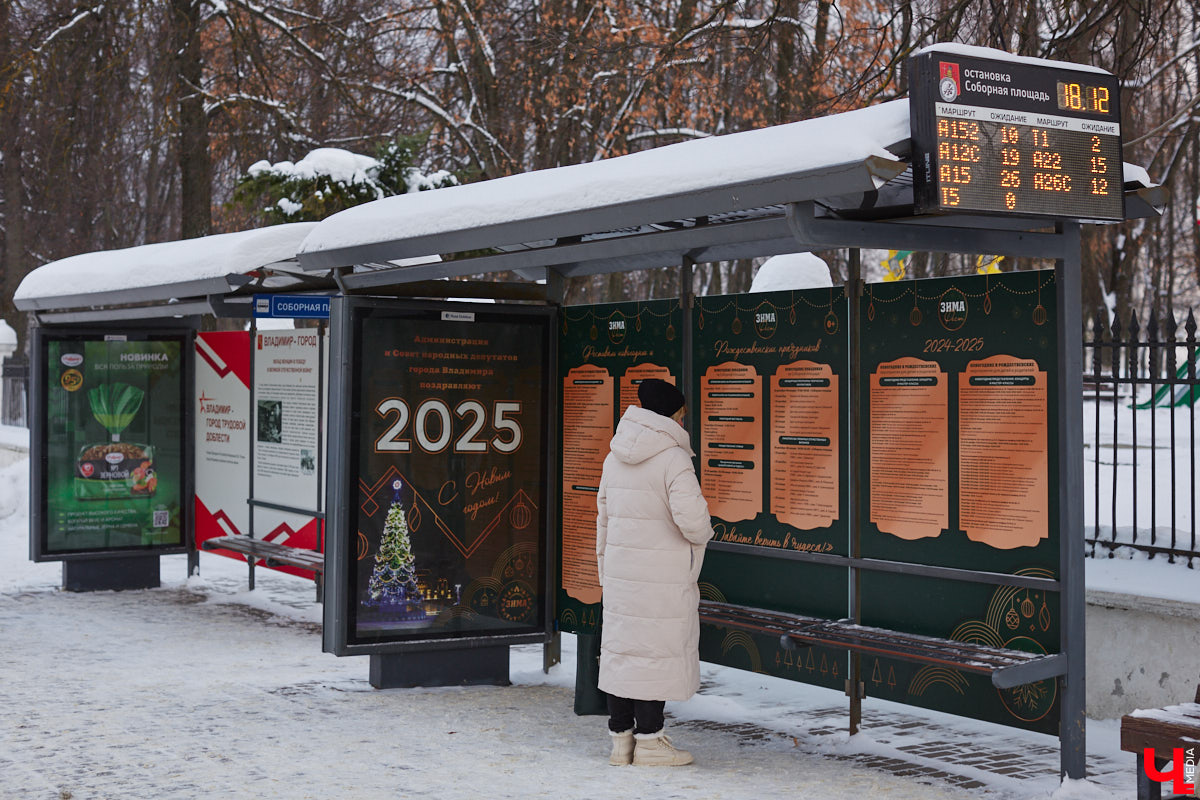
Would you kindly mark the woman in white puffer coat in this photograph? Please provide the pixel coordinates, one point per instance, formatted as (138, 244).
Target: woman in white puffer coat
(651, 530)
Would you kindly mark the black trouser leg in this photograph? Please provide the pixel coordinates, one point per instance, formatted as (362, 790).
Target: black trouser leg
(649, 715)
(620, 713)
(623, 713)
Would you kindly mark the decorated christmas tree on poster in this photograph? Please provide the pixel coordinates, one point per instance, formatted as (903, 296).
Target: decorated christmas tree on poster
(393, 579)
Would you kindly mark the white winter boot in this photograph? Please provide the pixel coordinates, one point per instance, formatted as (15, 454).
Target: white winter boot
(656, 750)
(622, 752)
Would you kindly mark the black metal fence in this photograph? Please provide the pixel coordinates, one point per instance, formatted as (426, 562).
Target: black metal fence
(1140, 390)
(14, 392)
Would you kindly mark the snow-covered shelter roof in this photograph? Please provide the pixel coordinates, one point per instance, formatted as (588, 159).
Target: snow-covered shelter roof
(718, 198)
(690, 185)
(169, 271)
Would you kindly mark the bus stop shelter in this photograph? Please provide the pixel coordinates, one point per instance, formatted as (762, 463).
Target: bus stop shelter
(843, 181)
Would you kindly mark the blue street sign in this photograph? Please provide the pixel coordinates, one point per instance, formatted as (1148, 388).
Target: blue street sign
(291, 306)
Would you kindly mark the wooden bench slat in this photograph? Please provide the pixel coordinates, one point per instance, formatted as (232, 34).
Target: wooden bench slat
(1162, 742)
(1162, 730)
(1155, 728)
(273, 554)
(966, 656)
(1184, 712)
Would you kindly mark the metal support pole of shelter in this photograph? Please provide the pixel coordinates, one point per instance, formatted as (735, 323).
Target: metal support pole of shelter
(853, 291)
(1071, 732)
(687, 299)
(322, 384)
(556, 292)
(252, 438)
(552, 645)
(193, 551)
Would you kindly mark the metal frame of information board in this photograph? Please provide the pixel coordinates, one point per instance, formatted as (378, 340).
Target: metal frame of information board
(342, 475)
(1063, 245)
(960, 234)
(38, 439)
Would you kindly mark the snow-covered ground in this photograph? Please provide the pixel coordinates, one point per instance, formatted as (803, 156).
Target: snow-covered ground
(201, 689)
(17, 438)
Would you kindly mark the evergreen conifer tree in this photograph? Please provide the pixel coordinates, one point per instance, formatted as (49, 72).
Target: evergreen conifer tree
(328, 180)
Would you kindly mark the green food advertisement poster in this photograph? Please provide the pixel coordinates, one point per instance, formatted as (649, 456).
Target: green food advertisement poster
(605, 352)
(114, 431)
(959, 398)
(449, 473)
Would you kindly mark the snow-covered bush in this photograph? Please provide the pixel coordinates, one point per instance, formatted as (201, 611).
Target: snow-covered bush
(328, 180)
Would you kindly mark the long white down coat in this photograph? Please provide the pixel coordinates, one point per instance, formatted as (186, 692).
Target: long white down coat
(651, 529)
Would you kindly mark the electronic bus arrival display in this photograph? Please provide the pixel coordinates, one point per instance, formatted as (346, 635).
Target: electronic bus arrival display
(1014, 137)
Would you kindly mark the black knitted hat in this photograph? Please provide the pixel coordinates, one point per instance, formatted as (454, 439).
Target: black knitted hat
(659, 397)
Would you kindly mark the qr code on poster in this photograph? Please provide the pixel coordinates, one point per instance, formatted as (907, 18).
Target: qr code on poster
(162, 518)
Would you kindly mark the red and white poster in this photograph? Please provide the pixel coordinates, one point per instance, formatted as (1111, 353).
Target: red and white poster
(286, 456)
(222, 435)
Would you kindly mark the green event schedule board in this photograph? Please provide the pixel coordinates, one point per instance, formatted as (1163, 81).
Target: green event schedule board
(769, 423)
(110, 475)
(959, 417)
(604, 353)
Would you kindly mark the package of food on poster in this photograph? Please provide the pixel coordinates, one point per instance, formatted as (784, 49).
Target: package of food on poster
(111, 437)
(449, 488)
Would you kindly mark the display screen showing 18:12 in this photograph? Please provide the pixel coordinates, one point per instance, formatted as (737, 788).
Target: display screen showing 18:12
(1015, 136)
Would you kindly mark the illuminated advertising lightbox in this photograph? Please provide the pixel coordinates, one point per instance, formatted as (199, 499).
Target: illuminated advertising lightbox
(1015, 137)
(110, 427)
(444, 518)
